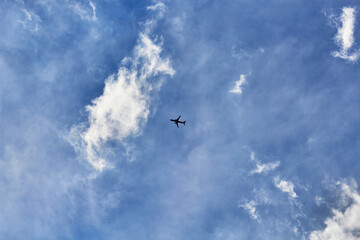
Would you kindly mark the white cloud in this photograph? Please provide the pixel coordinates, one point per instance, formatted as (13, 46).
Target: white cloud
(87, 13)
(250, 207)
(238, 85)
(343, 224)
(345, 35)
(123, 108)
(159, 6)
(265, 167)
(285, 186)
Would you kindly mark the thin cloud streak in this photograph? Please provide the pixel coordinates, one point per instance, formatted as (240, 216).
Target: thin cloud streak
(93, 10)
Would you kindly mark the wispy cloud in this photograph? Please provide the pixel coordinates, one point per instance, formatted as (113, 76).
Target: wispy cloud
(250, 207)
(261, 197)
(123, 108)
(343, 224)
(263, 168)
(159, 9)
(93, 10)
(345, 34)
(31, 21)
(285, 186)
(87, 13)
(238, 88)
(159, 6)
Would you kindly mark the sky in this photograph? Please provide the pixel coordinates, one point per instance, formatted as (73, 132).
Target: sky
(269, 90)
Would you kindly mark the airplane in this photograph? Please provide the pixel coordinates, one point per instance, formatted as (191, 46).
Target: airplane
(177, 121)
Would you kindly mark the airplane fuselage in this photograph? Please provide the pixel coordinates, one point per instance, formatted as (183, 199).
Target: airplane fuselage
(174, 120)
(177, 121)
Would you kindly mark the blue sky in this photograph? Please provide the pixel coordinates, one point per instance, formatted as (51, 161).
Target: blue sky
(269, 89)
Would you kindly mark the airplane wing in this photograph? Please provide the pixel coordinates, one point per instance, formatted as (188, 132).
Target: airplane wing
(178, 118)
(177, 124)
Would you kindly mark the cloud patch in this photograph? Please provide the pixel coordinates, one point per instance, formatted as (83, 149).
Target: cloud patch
(123, 108)
(238, 88)
(250, 207)
(344, 38)
(263, 168)
(285, 186)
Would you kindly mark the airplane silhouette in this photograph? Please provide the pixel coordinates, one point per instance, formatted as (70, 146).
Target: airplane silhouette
(177, 121)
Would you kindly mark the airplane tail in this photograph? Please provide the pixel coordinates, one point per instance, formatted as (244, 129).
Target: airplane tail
(184, 122)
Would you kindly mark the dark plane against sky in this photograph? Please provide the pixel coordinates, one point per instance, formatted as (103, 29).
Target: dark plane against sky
(177, 121)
